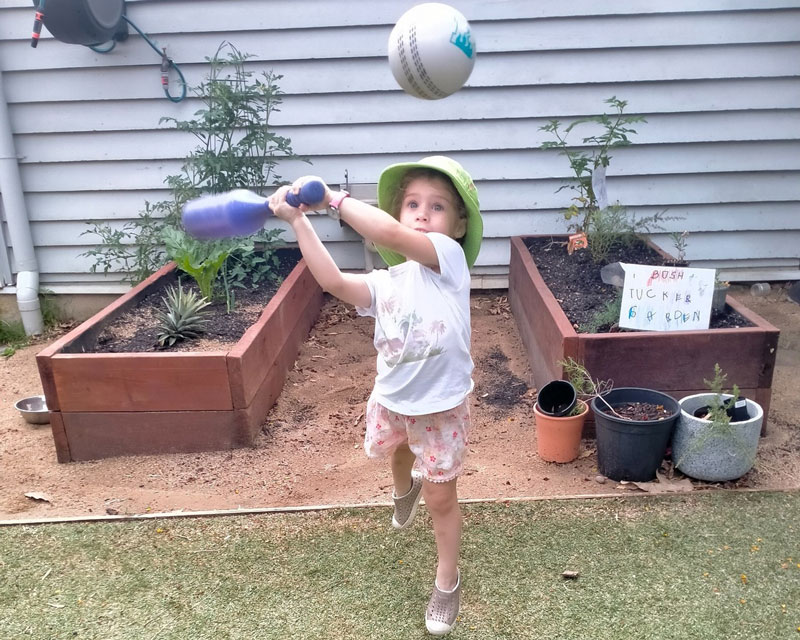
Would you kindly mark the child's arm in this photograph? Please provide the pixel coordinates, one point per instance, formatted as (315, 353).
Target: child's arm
(350, 288)
(378, 226)
(384, 230)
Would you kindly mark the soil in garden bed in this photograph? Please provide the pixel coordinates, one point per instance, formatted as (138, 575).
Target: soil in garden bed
(136, 330)
(639, 411)
(576, 284)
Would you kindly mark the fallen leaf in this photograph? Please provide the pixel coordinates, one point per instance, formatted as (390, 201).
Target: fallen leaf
(662, 484)
(34, 495)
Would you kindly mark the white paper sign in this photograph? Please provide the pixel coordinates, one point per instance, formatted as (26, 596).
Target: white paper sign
(666, 298)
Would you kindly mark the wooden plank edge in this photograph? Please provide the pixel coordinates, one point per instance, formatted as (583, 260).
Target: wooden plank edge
(104, 313)
(254, 511)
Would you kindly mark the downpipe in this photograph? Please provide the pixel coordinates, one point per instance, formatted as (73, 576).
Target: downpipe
(19, 228)
(28, 302)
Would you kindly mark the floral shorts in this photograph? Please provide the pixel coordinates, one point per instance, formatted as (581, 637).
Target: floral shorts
(439, 440)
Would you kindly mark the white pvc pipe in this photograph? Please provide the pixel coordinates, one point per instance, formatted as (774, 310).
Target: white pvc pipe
(19, 228)
(28, 302)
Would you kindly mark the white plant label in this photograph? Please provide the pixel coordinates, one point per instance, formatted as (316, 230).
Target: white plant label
(666, 298)
(599, 186)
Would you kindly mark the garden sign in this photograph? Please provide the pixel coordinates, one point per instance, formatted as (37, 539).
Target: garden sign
(666, 298)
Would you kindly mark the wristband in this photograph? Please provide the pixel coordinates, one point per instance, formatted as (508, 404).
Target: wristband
(335, 202)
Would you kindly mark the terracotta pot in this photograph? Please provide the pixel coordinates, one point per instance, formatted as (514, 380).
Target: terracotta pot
(558, 439)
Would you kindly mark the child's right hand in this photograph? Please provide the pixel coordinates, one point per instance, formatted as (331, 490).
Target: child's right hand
(282, 209)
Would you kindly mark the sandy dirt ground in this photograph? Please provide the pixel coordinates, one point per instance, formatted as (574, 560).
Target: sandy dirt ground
(310, 449)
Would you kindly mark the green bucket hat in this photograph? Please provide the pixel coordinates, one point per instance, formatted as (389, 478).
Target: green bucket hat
(390, 180)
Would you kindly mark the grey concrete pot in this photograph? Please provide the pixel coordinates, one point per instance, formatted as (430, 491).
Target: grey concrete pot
(715, 457)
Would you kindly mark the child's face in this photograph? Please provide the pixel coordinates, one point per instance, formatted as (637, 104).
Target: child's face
(428, 205)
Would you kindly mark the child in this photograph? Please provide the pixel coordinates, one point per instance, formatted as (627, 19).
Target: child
(418, 410)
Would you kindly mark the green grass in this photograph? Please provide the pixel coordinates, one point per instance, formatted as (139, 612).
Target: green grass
(716, 566)
(12, 337)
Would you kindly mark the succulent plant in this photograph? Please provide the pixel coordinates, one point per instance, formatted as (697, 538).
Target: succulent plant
(184, 317)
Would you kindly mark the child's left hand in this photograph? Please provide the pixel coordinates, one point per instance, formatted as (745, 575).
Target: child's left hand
(283, 210)
(312, 206)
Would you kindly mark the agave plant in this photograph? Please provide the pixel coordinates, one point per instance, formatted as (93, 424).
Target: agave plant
(184, 317)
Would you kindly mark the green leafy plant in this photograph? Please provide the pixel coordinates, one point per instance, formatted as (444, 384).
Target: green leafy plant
(254, 260)
(12, 334)
(606, 316)
(718, 407)
(679, 241)
(51, 313)
(137, 248)
(200, 260)
(718, 416)
(609, 228)
(616, 130)
(184, 316)
(12, 337)
(238, 148)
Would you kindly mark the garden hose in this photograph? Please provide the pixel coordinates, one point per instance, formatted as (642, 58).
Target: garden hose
(167, 63)
(37, 23)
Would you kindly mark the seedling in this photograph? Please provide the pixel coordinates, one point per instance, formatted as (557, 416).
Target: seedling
(184, 317)
(585, 386)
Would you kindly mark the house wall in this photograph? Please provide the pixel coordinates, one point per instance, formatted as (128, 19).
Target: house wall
(718, 82)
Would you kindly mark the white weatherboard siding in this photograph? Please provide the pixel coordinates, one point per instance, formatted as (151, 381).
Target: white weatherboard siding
(719, 83)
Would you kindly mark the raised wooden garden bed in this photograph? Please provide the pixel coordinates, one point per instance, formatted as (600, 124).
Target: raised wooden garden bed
(110, 404)
(674, 362)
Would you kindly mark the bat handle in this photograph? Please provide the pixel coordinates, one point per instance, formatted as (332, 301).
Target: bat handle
(312, 192)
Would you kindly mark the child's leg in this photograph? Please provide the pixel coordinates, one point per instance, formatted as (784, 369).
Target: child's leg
(442, 501)
(402, 463)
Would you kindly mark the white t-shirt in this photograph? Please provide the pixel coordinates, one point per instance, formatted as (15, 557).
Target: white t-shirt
(422, 332)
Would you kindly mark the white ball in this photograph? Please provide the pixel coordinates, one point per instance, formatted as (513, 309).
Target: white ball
(431, 51)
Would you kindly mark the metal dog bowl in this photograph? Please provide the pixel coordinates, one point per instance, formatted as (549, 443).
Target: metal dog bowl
(33, 409)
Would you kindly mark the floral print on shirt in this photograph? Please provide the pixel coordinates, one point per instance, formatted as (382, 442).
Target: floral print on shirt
(411, 341)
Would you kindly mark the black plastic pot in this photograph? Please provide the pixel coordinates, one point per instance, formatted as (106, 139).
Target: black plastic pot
(737, 412)
(557, 398)
(632, 449)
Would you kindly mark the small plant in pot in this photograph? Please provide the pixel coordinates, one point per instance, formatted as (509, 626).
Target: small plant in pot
(633, 427)
(717, 435)
(561, 410)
